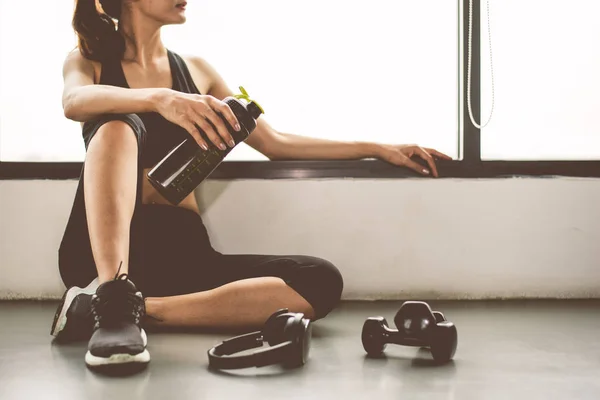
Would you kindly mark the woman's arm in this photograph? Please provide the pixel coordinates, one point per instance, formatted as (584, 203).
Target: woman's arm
(83, 100)
(286, 146)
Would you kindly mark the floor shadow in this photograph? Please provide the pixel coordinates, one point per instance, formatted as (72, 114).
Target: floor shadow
(69, 357)
(270, 371)
(423, 359)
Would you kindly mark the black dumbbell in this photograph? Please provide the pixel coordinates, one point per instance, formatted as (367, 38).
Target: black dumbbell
(417, 326)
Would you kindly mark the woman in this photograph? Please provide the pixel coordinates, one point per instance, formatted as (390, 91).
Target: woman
(137, 100)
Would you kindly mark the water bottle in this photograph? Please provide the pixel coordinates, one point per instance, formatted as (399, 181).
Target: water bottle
(181, 171)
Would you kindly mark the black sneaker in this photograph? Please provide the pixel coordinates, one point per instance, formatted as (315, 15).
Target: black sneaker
(118, 343)
(73, 319)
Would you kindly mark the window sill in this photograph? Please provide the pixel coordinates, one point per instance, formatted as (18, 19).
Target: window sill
(373, 169)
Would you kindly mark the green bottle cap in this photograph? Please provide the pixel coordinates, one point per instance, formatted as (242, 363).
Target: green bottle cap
(245, 96)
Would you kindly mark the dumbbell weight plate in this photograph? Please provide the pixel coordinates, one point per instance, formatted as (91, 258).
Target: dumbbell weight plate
(373, 335)
(443, 341)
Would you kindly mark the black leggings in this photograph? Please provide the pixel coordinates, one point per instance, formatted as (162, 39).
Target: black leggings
(171, 253)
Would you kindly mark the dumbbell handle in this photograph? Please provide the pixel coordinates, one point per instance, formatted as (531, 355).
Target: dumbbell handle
(396, 337)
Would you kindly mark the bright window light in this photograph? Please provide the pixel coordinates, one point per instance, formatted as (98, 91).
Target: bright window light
(383, 71)
(546, 82)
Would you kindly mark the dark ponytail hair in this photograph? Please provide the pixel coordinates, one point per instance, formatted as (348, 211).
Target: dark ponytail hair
(97, 34)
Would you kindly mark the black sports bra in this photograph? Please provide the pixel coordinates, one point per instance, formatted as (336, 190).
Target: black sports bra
(161, 135)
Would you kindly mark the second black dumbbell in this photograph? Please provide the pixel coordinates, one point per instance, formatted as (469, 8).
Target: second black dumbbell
(417, 326)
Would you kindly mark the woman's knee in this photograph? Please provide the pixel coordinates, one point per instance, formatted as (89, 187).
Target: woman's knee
(116, 129)
(331, 277)
(321, 283)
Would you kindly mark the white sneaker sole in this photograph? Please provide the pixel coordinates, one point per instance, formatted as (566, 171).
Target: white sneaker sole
(60, 319)
(118, 359)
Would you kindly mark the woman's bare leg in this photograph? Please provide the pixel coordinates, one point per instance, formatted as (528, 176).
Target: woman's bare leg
(245, 303)
(110, 182)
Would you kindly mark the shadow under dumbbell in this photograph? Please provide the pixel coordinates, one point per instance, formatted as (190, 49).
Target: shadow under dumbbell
(422, 359)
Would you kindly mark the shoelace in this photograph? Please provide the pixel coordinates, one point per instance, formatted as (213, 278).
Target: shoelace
(117, 303)
(115, 306)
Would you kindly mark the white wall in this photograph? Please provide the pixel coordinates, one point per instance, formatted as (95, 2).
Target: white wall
(392, 239)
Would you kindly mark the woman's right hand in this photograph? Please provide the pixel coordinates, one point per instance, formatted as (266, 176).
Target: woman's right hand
(193, 111)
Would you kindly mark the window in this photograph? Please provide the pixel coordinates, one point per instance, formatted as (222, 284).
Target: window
(384, 71)
(546, 81)
(32, 51)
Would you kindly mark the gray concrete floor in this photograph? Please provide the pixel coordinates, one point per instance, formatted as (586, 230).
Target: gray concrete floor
(506, 350)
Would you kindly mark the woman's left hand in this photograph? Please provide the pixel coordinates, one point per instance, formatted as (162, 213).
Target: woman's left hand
(400, 154)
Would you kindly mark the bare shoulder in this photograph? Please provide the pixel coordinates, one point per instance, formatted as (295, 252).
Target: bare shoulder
(202, 72)
(75, 61)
